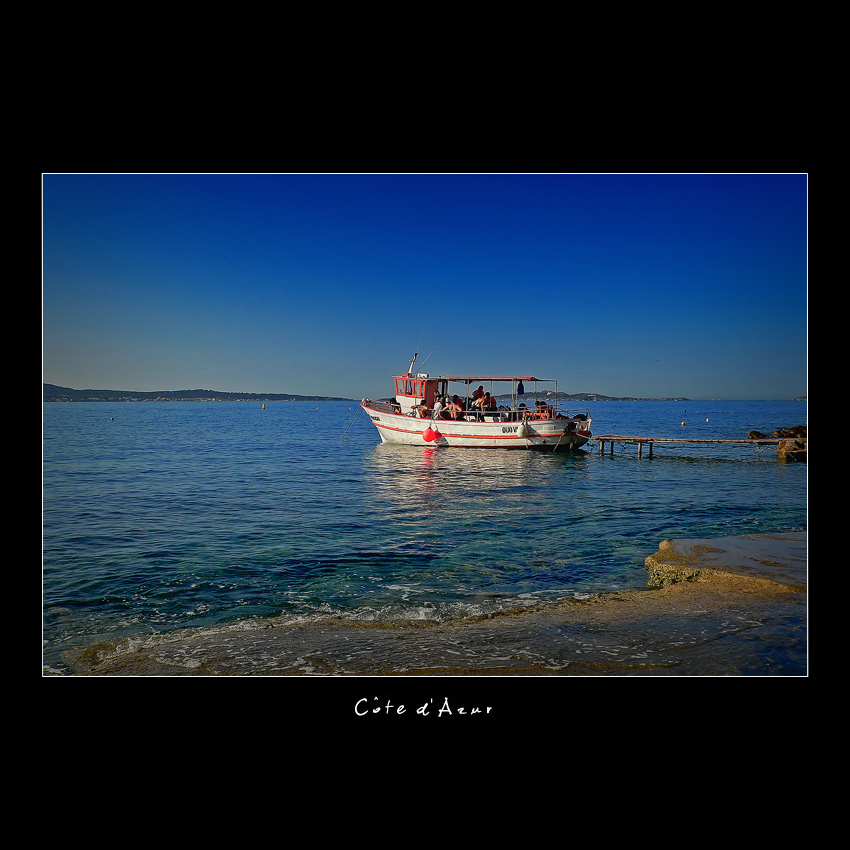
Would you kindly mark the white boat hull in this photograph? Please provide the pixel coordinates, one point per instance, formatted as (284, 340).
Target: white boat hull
(497, 431)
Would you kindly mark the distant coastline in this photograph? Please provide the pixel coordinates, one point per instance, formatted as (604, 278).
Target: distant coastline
(53, 393)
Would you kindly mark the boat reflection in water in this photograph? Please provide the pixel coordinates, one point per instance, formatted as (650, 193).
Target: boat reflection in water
(481, 527)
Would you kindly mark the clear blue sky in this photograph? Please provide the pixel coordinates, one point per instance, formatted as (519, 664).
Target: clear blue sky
(639, 285)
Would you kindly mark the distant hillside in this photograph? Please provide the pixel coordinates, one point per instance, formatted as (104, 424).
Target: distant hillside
(53, 393)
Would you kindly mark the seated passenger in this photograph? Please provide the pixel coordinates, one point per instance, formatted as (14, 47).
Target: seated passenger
(455, 409)
(485, 402)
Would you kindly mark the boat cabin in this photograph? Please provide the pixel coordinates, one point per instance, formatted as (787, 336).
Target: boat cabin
(411, 390)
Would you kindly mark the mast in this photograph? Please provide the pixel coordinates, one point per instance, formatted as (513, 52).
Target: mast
(416, 353)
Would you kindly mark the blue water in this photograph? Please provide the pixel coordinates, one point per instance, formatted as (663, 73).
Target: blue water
(161, 516)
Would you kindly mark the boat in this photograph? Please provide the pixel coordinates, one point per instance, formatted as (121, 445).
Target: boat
(478, 411)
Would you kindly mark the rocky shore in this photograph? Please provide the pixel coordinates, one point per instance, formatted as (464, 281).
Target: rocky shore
(793, 442)
(759, 558)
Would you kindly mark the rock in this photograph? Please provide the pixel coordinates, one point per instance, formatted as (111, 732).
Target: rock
(792, 450)
(771, 558)
(796, 431)
(793, 445)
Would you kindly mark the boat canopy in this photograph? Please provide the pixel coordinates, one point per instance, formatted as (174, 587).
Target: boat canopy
(471, 378)
(411, 387)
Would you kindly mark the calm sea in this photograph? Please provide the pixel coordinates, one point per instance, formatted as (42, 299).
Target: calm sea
(161, 516)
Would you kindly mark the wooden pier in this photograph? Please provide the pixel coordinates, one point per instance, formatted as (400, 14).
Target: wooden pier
(779, 442)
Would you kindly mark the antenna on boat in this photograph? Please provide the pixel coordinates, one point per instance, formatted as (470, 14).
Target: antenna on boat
(410, 368)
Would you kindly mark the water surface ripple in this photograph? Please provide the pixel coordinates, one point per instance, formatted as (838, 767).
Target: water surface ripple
(162, 516)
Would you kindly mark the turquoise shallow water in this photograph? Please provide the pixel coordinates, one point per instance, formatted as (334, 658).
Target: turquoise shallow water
(161, 516)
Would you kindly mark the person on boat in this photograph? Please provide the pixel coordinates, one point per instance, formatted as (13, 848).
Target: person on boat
(438, 408)
(423, 409)
(542, 411)
(485, 402)
(523, 411)
(455, 409)
(479, 393)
